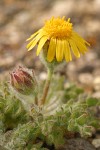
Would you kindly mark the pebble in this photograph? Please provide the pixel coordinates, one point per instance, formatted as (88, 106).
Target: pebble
(96, 143)
(86, 78)
(96, 83)
(6, 62)
(96, 94)
(43, 76)
(78, 144)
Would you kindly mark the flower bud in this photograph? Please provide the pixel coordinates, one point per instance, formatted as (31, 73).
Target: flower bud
(23, 81)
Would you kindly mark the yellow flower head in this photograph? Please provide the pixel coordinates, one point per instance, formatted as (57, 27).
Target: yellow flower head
(62, 40)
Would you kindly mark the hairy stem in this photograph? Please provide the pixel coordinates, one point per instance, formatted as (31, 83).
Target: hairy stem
(46, 87)
(36, 100)
(36, 96)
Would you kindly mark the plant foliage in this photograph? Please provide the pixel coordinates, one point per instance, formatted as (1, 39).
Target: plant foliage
(67, 110)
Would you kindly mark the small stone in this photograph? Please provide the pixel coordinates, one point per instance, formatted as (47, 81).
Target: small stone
(97, 83)
(96, 143)
(63, 7)
(6, 62)
(86, 78)
(78, 144)
(43, 76)
(96, 94)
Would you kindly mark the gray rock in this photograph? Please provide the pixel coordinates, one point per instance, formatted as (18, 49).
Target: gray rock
(78, 144)
(96, 143)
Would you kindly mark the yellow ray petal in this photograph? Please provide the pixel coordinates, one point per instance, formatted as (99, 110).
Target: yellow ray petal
(51, 50)
(41, 44)
(74, 48)
(81, 46)
(59, 50)
(33, 35)
(76, 36)
(30, 43)
(79, 38)
(67, 51)
(34, 41)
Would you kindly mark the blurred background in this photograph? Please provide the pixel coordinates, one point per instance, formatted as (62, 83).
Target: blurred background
(20, 18)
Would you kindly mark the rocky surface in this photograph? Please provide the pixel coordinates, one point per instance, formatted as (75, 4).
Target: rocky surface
(78, 144)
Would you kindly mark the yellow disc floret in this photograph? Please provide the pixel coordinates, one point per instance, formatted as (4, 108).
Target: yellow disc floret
(58, 28)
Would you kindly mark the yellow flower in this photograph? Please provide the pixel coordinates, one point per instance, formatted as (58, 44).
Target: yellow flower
(62, 40)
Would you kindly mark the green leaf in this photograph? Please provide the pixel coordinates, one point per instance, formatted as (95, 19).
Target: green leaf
(82, 119)
(92, 101)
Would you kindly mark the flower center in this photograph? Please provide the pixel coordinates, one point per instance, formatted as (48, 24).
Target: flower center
(58, 28)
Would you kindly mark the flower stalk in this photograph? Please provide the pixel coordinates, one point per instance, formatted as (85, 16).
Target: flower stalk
(36, 100)
(46, 87)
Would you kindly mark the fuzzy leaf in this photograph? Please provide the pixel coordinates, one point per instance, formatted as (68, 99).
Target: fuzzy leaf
(92, 101)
